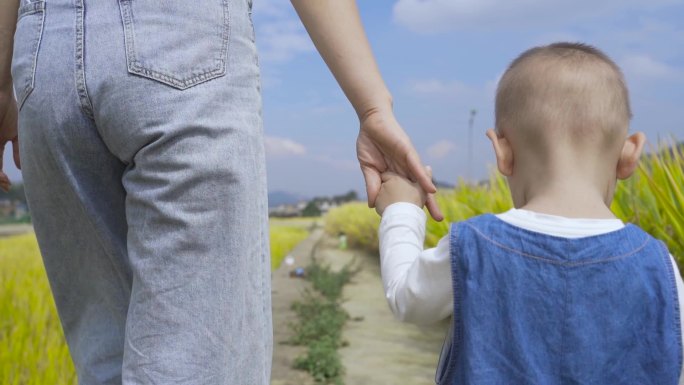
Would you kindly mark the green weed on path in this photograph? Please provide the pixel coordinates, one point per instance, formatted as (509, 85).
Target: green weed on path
(320, 320)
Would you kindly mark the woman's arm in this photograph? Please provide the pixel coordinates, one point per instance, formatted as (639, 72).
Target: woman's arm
(336, 30)
(8, 23)
(8, 106)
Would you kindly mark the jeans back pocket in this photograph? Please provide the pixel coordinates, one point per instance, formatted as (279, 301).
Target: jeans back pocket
(176, 42)
(27, 39)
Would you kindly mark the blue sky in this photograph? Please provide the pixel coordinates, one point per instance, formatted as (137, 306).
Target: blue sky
(440, 59)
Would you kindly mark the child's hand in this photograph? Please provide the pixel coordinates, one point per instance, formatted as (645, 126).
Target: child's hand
(396, 188)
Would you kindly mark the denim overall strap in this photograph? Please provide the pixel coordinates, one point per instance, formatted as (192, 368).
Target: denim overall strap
(530, 308)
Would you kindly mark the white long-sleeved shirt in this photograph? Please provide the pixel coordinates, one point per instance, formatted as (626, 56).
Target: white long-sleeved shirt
(418, 282)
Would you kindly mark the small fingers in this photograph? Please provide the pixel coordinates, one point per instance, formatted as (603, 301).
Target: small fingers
(373, 182)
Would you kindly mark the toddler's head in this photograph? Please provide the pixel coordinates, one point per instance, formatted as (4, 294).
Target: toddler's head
(562, 112)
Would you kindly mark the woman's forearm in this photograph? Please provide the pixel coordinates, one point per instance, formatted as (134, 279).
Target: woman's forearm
(8, 23)
(336, 30)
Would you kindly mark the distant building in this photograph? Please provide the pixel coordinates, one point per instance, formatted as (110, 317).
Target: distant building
(6, 208)
(13, 210)
(285, 211)
(314, 207)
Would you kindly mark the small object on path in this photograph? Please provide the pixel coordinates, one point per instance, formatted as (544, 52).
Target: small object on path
(299, 272)
(289, 260)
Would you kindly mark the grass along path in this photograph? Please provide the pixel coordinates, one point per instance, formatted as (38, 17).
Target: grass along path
(378, 349)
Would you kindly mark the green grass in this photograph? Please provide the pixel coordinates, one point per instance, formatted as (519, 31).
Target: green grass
(321, 319)
(32, 346)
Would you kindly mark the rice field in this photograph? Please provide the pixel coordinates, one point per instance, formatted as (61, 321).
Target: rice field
(652, 198)
(285, 235)
(32, 346)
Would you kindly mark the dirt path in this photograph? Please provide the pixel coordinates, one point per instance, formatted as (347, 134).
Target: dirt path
(381, 350)
(14, 229)
(286, 290)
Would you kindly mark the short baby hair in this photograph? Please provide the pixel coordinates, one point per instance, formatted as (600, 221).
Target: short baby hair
(566, 90)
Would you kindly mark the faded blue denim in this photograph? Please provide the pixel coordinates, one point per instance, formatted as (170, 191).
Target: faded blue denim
(142, 152)
(531, 308)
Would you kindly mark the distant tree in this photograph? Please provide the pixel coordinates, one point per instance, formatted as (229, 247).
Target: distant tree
(311, 210)
(16, 193)
(348, 197)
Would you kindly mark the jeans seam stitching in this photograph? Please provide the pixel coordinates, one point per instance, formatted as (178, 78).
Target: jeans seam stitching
(81, 88)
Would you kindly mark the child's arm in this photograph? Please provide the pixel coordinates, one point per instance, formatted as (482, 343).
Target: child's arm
(417, 282)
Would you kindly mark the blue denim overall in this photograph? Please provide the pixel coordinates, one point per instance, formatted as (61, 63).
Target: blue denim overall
(531, 308)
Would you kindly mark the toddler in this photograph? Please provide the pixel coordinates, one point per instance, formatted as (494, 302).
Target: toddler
(556, 290)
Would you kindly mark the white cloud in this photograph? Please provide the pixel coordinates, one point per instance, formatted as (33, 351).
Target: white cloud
(283, 147)
(441, 149)
(644, 66)
(454, 91)
(430, 16)
(280, 34)
(438, 87)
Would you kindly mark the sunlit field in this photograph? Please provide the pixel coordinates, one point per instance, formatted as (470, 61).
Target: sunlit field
(32, 346)
(653, 199)
(285, 235)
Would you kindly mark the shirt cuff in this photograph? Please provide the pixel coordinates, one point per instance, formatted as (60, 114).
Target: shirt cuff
(403, 209)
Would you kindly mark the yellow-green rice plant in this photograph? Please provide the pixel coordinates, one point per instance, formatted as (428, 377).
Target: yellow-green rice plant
(283, 239)
(32, 346)
(654, 198)
(357, 222)
(465, 201)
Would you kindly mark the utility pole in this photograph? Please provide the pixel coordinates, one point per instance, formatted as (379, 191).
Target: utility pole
(471, 122)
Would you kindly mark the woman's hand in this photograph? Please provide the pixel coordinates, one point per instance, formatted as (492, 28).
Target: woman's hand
(383, 146)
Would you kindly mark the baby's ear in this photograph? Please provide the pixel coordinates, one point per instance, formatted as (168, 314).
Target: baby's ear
(503, 152)
(629, 158)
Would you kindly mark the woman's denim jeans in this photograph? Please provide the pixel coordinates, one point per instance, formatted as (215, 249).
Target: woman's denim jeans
(142, 154)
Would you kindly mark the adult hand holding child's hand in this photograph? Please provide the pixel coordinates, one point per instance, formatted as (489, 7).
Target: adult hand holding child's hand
(396, 188)
(384, 150)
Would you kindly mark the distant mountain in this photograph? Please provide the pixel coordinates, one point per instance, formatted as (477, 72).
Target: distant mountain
(277, 198)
